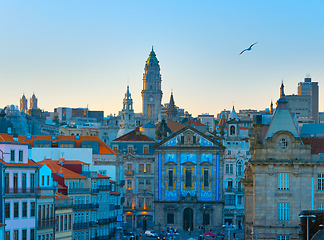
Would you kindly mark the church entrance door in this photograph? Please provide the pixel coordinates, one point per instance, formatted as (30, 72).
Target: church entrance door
(188, 219)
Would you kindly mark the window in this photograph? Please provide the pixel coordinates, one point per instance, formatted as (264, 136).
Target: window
(148, 184)
(12, 155)
(66, 221)
(283, 211)
(24, 181)
(24, 209)
(7, 210)
(148, 168)
(320, 206)
(230, 200)
(283, 181)
(24, 234)
(32, 234)
(206, 177)
(206, 219)
(229, 152)
(32, 209)
(239, 168)
(32, 180)
(229, 184)
(188, 175)
(43, 180)
(70, 221)
(141, 168)
(171, 184)
(229, 168)
(145, 150)
(170, 218)
(239, 200)
(141, 184)
(61, 223)
(130, 149)
(148, 204)
(15, 182)
(7, 235)
(320, 181)
(182, 139)
(16, 210)
(47, 180)
(129, 184)
(283, 143)
(129, 167)
(15, 234)
(283, 237)
(21, 155)
(232, 130)
(115, 148)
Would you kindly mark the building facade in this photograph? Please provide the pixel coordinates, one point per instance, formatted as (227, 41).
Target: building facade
(189, 176)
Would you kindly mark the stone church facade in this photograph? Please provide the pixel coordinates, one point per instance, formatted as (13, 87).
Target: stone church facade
(188, 170)
(283, 178)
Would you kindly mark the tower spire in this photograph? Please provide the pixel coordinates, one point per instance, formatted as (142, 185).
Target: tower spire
(282, 90)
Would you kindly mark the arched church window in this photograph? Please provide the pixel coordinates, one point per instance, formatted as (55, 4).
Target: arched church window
(232, 130)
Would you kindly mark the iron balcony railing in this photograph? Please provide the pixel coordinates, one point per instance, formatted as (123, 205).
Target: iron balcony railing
(105, 187)
(21, 191)
(79, 190)
(85, 206)
(129, 172)
(83, 225)
(46, 223)
(104, 221)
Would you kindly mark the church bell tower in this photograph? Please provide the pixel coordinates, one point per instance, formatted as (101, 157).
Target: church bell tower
(151, 93)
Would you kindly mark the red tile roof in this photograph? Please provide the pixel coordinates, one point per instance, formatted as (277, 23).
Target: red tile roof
(114, 193)
(135, 136)
(112, 181)
(103, 148)
(316, 143)
(6, 138)
(195, 123)
(58, 169)
(61, 196)
(30, 163)
(101, 176)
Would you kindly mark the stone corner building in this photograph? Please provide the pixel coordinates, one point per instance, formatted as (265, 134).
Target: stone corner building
(188, 181)
(284, 177)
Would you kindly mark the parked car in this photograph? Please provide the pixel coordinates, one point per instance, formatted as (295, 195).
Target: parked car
(127, 233)
(151, 233)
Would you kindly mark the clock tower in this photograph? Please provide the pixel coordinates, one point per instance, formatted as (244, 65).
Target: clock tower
(151, 93)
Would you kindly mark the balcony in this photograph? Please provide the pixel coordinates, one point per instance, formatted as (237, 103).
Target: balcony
(63, 203)
(239, 190)
(104, 221)
(79, 190)
(83, 225)
(105, 187)
(95, 191)
(117, 207)
(47, 223)
(17, 192)
(85, 206)
(229, 190)
(129, 172)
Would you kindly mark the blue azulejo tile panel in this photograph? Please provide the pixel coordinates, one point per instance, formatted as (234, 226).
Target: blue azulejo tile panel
(204, 142)
(172, 142)
(185, 192)
(170, 157)
(206, 195)
(170, 195)
(206, 157)
(188, 157)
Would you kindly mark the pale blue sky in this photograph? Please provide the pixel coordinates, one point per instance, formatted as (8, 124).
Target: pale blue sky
(74, 53)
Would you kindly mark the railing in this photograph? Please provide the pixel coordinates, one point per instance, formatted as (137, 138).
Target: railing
(95, 190)
(21, 191)
(46, 223)
(129, 172)
(105, 187)
(83, 225)
(79, 190)
(104, 221)
(85, 206)
(117, 206)
(229, 189)
(63, 203)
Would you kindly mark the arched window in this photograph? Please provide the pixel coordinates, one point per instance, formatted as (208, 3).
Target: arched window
(232, 130)
(229, 184)
(239, 168)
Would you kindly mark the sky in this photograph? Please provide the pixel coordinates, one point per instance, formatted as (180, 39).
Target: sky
(85, 53)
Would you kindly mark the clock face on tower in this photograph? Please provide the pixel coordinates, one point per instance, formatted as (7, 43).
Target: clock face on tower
(151, 99)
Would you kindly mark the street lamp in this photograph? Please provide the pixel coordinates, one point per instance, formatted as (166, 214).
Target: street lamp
(229, 230)
(307, 216)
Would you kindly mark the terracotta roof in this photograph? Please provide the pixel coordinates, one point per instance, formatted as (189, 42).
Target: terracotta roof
(71, 161)
(114, 193)
(101, 176)
(112, 181)
(58, 169)
(316, 143)
(103, 148)
(30, 163)
(61, 187)
(135, 136)
(173, 125)
(195, 123)
(61, 196)
(6, 138)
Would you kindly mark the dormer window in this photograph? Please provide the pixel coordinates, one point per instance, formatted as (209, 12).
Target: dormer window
(232, 130)
(283, 143)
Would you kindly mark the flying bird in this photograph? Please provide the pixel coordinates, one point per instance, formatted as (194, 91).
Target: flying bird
(248, 49)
